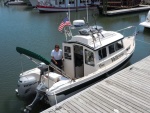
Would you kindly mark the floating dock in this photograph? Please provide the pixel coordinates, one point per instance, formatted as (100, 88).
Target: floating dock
(127, 91)
(129, 10)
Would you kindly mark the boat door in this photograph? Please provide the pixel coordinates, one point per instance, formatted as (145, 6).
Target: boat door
(78, 59)
(73, 60)
(68, 53)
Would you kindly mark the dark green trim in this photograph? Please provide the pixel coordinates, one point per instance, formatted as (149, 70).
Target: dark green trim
(32, 54)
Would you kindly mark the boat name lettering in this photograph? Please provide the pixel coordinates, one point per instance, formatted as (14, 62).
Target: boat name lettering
(117, 57)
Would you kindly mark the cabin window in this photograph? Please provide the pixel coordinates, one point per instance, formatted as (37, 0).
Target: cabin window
(84, 1)
(118, 45)
(71, 1)
(111, 48)
(115, 46)
(102, 53)
(67, 52)
(61, 1)
(89, 58)
(93, 1)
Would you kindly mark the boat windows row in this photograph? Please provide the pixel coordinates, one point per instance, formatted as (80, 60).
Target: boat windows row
(102, 53)
(89, 55)
(81, 1)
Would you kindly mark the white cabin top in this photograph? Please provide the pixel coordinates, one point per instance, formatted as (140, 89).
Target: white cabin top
(96, 40)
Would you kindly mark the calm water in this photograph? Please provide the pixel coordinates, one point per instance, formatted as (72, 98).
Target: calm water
(25, 27)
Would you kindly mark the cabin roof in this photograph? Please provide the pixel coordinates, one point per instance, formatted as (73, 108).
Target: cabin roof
(100, 39)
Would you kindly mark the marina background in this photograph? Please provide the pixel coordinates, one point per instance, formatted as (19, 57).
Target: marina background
(25, 27)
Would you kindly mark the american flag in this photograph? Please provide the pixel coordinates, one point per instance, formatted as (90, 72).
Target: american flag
(64, 23)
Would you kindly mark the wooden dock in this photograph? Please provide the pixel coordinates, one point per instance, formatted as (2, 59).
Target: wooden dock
(129, 10)
(127, 91)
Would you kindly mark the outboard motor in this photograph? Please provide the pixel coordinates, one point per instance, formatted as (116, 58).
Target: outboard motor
(27, 86)
(40, 93)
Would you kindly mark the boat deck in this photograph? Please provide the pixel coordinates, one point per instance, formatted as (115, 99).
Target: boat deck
(127, 91)
(129, 10)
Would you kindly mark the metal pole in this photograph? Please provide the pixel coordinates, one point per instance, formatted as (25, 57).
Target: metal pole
(87, 11)
(76, 5)
(21, 64)
(104, 7)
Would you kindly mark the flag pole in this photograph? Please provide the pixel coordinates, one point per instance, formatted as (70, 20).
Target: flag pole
(69, 11)
(69, 19)
(65, 34)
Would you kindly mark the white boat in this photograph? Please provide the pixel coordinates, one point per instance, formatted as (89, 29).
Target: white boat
(146, 23)
(55, 6)
(14, 2)
(87, 55)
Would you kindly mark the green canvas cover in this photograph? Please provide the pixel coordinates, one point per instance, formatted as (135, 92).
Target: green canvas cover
(32, 54)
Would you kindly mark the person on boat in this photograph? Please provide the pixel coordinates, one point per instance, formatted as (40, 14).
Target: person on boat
(57, 56)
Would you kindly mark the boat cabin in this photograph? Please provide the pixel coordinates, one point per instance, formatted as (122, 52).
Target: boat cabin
(72, 3)
(92, 49)
(120, 3)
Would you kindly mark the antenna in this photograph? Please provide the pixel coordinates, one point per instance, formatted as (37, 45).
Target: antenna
(98, 30)
(85, 21)
(94, 20)
(96, 25)
(68, 32)
(86, 11)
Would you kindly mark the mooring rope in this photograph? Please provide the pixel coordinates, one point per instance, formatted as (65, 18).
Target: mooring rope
(143, 41)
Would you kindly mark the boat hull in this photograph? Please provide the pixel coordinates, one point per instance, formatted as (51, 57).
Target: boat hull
(51, 98)
(60, 9)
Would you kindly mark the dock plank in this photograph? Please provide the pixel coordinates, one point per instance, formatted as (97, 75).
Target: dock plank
(96, 104)
(117, 102)
(78, 106)
(68, 109)
(135, 92)
(133, 84)
(73, 107)
(126, 97)
(127, 91)
(86, 104)
(101, 101)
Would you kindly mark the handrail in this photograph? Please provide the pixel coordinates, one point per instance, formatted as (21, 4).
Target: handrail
(60, 70)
